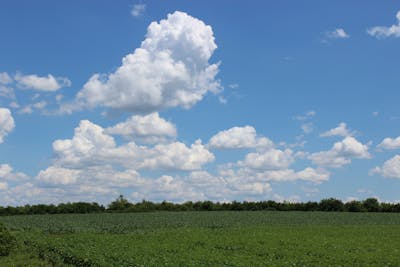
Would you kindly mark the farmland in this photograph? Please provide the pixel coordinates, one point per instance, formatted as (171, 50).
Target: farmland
(260, 238)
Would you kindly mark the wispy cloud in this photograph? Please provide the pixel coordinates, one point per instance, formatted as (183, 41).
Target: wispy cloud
(384, 32)
(138, 10)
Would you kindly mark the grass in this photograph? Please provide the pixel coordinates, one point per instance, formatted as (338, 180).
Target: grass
(211, 239)
(23, 256)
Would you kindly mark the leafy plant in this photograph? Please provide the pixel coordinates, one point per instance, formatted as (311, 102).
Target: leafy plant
(7, 241)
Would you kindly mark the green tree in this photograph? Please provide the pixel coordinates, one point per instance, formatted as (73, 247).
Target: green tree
(371, 204)
(354, 206)
(331, 204)
(120, 203)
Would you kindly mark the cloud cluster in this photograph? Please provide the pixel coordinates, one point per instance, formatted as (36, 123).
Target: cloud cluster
(47, 83)
(384, 32)
(389, 169)
(7, 123)
(91, 146)
(390, 143)
(149, 129)
(238, 138)
(170, 69)
(341, 153)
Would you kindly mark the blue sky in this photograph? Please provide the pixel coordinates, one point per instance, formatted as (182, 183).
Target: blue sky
(184, 100)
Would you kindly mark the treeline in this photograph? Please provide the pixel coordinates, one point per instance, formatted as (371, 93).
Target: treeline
(123, 205)
(77, 207)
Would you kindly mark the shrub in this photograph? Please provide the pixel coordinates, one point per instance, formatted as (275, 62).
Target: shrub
(7, 241)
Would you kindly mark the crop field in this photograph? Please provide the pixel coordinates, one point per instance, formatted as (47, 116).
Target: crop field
(209, 239)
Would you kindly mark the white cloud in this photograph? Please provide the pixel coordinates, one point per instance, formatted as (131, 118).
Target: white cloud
(14, 105)
(92, 146)
(308, 115)
(390, 143)
(338, 33)
(239, 137)
(313, 175)
(149, 129)
(47, 84)
(269, 159)
(390, 169)
(7, 123)
(5, 170)
(341, 153)
(26, 110)
(248, 175)
(7, 92)
(7, 173)
(340, 130)
(59, 97)
(177, 156)
(40, 105)
(170, 69)
(5, 78)
(307, 127)
(383, 32)
(138, 10)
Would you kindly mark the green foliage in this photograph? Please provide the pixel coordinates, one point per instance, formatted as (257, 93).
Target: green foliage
(331, 204)
(226, 238)
(7, 241)
(121, 204)
(354, 206)
(371, 205)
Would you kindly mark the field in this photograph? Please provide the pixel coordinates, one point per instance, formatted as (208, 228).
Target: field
(208, 239)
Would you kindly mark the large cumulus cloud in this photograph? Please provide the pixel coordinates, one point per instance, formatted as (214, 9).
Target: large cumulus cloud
(170, 69)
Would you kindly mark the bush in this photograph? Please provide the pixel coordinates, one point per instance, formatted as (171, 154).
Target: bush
(7, 241)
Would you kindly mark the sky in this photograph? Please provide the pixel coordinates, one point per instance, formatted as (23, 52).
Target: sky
(199, 100)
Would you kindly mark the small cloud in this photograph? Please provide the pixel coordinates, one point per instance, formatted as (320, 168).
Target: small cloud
(308, 115)
(14, 105)
(307, 127)
(7, 92)
(35, 96)
(25, 110)
(381, 32)
(40, 105)
(5, 78)
(338, 33)
(59, 97)
(375, 113)
(222, 99)
(47, 83)
(233, 86)
(138, 10)
(390, 143)
(340, 130)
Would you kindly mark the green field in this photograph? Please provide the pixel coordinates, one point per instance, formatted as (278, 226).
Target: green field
(207, 239)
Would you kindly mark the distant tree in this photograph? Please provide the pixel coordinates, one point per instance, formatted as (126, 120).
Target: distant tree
(331, 204)
(371, 205)
(119, 204)
(354, 206)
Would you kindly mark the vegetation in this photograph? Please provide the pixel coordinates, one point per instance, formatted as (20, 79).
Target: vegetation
(7, 241)
(123, 205)
(225, 238)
